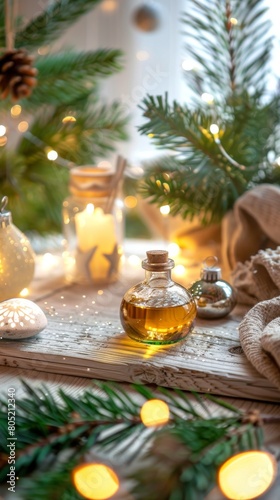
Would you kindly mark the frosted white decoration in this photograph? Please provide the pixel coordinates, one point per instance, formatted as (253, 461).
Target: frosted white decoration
(20, 318)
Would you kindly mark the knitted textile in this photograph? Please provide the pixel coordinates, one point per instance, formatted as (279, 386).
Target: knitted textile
(259, 334)
(259, 278)
(252, 225)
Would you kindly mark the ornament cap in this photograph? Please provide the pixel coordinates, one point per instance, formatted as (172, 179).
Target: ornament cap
(157, 260)
(211, 270)
(5, 215)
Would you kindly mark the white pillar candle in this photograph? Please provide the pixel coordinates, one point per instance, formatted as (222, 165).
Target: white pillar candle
(94, 228)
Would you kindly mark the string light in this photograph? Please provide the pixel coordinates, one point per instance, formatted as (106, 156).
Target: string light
(43, 51)
(277, 161)
(130, 201)
(214, 129)
(109, 5)
(23, 126)
(233, 20)
(154, 412)
(3, 130)
(69, 119)
(95, 481)
(3, 141)
(52, 155)
(142, 55)
(187, 65)
(164, 209)
(247, 475)
(16, 110)
(209, 98)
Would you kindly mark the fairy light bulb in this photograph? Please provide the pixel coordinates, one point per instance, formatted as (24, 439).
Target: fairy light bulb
(164, 210)
(214, 129)
(17, 259)
(3, 130)
(247, 475)
(154, 412)
(52, 155)
(95, 481)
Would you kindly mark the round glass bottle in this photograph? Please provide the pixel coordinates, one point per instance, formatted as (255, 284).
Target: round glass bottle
(92, 227)
(157, 310)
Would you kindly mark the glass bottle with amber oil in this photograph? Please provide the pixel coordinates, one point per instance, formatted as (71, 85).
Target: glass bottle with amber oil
(157, 310)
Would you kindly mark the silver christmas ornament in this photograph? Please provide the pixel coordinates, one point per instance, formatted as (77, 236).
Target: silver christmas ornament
(215, 298)
(146, 18)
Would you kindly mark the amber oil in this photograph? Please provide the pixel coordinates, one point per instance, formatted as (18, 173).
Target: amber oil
(157, 325)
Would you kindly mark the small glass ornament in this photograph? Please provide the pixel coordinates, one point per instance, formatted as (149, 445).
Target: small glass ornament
(157, 310)
(92, 227)
(17, 259)
(215, 298)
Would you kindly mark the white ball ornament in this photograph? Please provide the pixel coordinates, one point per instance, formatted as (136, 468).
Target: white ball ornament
(17, 259)
(20, 319)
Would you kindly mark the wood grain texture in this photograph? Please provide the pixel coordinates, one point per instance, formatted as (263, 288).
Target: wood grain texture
(84, 338)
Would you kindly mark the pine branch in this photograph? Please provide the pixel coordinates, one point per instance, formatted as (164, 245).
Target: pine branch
(181, 458)
(51, 23)
(223, 49)
(76, 71)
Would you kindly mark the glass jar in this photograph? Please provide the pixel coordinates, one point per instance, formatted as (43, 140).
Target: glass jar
(157, 310)
(92, 227)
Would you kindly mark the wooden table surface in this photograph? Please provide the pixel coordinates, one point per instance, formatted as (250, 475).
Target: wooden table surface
(84, 340)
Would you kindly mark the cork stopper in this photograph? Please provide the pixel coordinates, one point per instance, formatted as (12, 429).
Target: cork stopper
(157, 260)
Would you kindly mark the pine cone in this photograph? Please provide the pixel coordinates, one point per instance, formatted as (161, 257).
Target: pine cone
(17, 76)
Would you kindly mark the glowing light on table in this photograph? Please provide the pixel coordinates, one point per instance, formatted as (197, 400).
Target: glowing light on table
(94, 228)
(247, 475)
(154, 412)
(95, 481)
(179, 270)
(134, 261)
(173, 249)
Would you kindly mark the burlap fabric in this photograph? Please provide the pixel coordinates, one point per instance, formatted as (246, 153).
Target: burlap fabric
(259, 334)
(259, 278)
(252, 225)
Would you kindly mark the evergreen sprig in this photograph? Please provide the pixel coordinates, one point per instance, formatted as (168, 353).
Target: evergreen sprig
(49, 25)
(177, 460)
(68, 84)
(230, 44)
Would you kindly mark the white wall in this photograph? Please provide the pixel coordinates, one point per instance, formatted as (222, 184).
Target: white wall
(159, 73)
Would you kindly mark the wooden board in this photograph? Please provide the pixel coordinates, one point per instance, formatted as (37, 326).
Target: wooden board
(84, 338)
